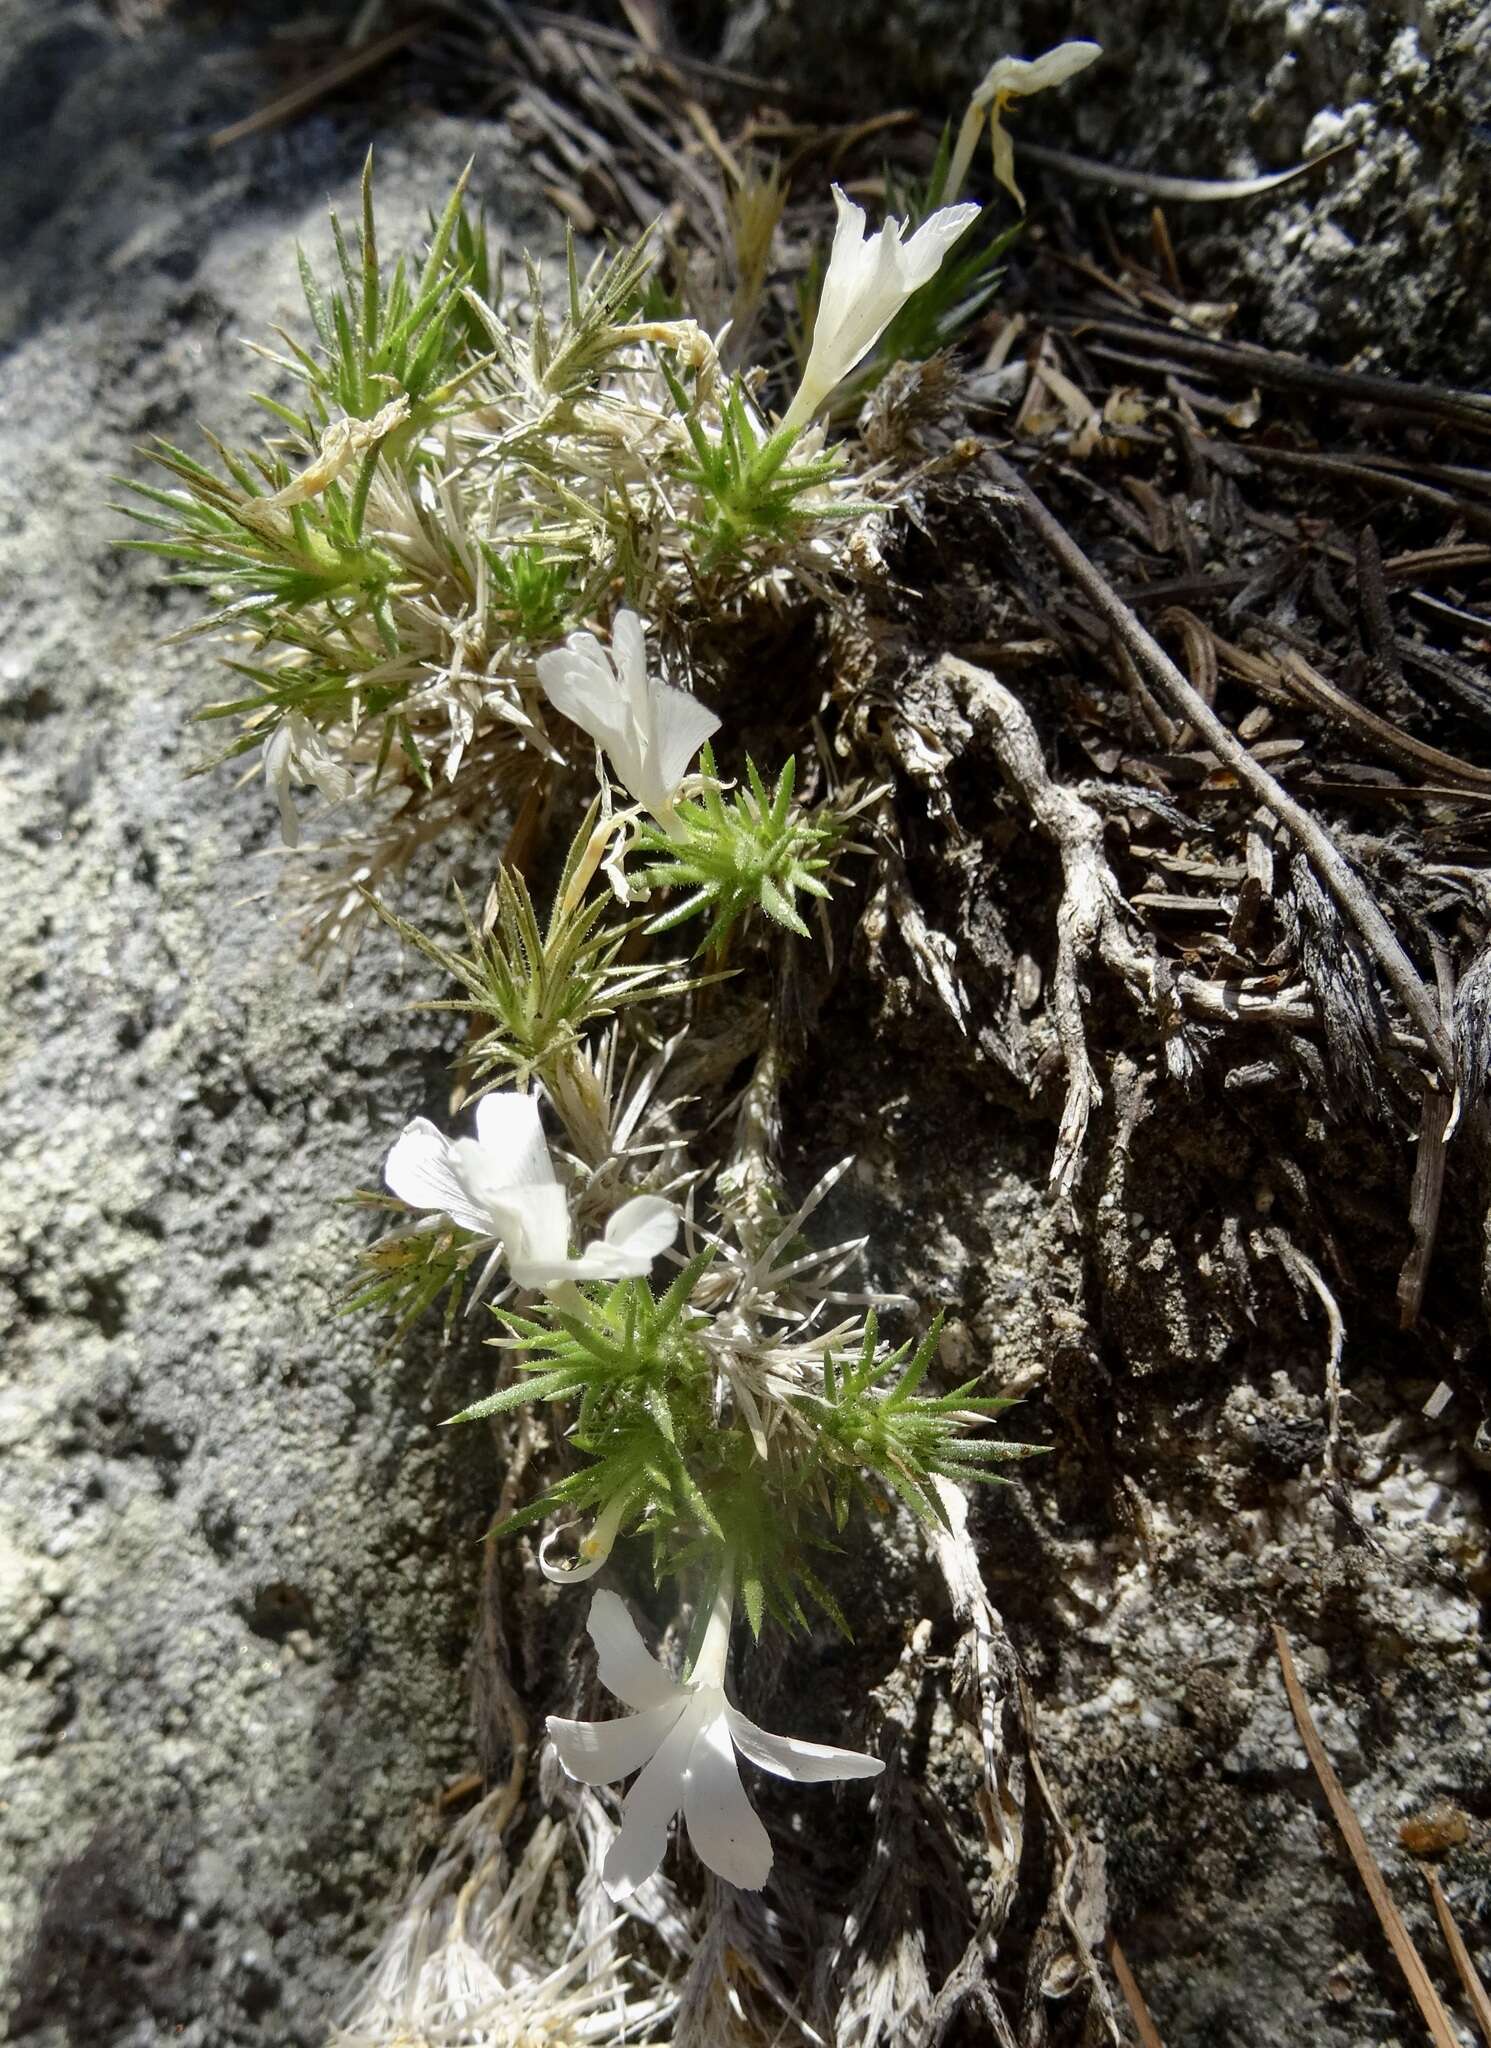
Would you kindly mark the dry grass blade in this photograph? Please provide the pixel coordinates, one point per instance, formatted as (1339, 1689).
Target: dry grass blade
(1427, 1192)
(1454, 1941)
(330, 78)
(1401, 1941)
(1133, 1997)
(1356, 903)
(1312, 688)
(1373, 477)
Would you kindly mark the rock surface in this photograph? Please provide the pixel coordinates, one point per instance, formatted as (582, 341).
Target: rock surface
(236, 1552)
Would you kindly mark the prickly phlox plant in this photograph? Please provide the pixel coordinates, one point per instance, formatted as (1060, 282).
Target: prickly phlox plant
(464, 573)
(724, 1413)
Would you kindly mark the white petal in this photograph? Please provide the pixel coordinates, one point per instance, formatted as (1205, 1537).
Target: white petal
(510, 1127)
(723, 1826)
(315, 761)
(599, 1261)
(640, 1229)
(629, 653)
(681, 725)
(276, 755)
(643, 1227)
(810, 1763)
(601, 1752)
(851, 261)
(532, 1221)
(649, 1810)
(626, 1666)
(277, 775)
(923, 254)
(419, 1171)
(580, 683)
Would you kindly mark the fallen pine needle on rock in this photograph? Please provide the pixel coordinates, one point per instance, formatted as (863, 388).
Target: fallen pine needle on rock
(1133, 1997)
(1460, 1956)
(1401, 1941)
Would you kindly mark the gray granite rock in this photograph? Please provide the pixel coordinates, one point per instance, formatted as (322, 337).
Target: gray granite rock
(236, 1552)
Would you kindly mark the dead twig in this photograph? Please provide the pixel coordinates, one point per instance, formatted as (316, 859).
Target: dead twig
(330, 78)
(1002, 1800)
(1419, 1982)
(1355, 902)
(1062, 1952)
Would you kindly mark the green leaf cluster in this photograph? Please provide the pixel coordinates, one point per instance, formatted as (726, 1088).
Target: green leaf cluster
(222, 537)
(537, 988)
(868, 1431)
(385, 334)
(756, 850)
(536, 591)
(752, 497)
(644, 1388)
(404, 1274)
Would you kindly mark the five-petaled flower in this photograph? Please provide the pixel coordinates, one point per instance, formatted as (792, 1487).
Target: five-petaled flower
(684, 1739)
(1012, 78)
(295, 748)
(868, 281)
(650, 730)
(501, 1184)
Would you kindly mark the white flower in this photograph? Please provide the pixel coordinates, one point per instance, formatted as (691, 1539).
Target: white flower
(1012, 78)
(869, 280)
(501, 1185)
(650, 730)
(684, 1740)
(296, 748)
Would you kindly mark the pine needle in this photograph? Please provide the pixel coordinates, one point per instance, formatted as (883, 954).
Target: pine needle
(1399, 1939)
(1454, 1941)
(1133, 1997)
